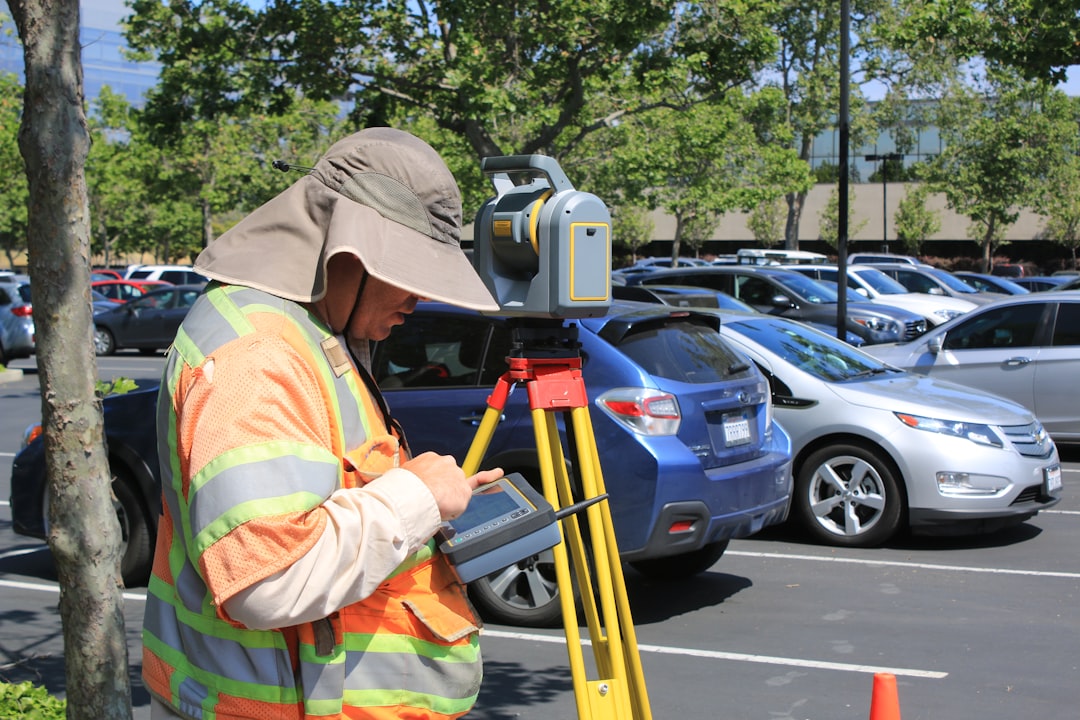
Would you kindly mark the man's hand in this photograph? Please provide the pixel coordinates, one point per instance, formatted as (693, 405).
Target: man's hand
(447, 482)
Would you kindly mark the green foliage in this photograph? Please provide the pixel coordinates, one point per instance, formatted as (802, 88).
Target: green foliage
(30, 702)
(1059, 197)
(806, 70)
(915, 222)
(631, 228)
(117, 386)
(766, 222)
(16, 191)
(826, 173)
(171, 200)
(525, 77)
(1038, 38)
(999, 148)
(829, 219)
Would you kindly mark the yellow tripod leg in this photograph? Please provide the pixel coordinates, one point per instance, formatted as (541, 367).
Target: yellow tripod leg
(623, 647)
(620, 692)
(481, 440)
(549, 450)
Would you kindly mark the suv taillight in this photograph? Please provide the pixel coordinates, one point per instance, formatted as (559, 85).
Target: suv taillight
(22, 311)
(642, 410)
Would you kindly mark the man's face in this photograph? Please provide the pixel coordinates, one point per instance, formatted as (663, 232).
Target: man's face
(381, 308)
(382, 305)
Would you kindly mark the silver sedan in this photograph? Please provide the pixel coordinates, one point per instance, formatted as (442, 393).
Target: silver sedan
(878, 450)
(1023, 347)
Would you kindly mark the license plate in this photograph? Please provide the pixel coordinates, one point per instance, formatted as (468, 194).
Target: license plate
(736, 431)
(1053, 478)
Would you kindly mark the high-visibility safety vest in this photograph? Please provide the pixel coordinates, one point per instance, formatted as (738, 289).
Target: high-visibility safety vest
(409, 650)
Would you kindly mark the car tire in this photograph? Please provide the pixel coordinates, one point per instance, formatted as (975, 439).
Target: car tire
(846, 495)
(104, 343)
(136, 530)
(3, 355)
(136, 534)
(685, 565)
(525, 594)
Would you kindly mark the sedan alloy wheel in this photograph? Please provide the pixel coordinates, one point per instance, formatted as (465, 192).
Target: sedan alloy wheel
(846, 496)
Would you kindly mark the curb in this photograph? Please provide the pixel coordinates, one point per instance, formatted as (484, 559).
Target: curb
(10, 375)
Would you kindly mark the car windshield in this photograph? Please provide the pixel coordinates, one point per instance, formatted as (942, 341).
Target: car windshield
(812, 290)
(951, 281)
(815, 353)
(682, 350)
(881, 282)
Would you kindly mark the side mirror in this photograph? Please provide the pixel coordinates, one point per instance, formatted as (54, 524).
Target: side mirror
(935, 291)
(936, 344)
(781, 301)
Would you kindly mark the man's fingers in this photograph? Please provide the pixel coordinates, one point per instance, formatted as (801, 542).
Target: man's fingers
(485, 476)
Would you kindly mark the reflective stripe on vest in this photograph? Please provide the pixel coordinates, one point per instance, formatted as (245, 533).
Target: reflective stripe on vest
(402, 663)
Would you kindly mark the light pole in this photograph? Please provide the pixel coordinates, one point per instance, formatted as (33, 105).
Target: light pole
(884, 206)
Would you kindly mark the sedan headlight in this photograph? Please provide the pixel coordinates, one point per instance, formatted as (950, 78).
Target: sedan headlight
(878, 324)
(975, 432)
(947, 315)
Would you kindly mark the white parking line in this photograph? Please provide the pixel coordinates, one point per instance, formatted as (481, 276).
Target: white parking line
(896, 563)
(657, 649)
(23, 551)
(736, 657)
(53, 588)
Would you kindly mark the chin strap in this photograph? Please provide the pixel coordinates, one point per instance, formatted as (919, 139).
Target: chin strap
(356, 305)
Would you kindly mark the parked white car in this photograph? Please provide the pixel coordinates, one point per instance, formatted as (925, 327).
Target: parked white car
(935, 281)
(1023, 347)
(878, 450)
(175, 274)
(879, 288)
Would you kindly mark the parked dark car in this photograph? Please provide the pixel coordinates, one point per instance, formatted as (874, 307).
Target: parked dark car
(1042, 283)
(777, 291)
(1073, 284)
(133, 459)
(683, 427)
(148, 323)
(690, 296)
(991, 283)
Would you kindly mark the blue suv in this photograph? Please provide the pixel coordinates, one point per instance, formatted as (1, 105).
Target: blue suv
(683, 423)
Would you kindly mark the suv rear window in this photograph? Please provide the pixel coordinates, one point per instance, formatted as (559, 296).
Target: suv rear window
(682, 350)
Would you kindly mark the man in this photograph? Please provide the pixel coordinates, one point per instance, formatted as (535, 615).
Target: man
(295, 574)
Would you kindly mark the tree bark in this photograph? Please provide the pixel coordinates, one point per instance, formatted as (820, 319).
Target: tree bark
(84, 535)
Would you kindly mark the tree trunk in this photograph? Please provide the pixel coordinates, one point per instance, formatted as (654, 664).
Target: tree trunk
(988, 246)
(207, 222)
(84, 535)
(677, 240)
(795, 202)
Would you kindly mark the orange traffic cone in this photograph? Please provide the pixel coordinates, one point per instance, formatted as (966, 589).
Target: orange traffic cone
(884, 703)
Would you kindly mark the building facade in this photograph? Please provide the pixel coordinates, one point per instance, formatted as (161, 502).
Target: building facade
(102, 52)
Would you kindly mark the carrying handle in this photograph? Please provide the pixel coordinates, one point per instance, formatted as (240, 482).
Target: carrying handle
(505, 164)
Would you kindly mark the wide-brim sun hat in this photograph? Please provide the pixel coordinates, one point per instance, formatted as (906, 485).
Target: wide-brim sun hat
(381, 194)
